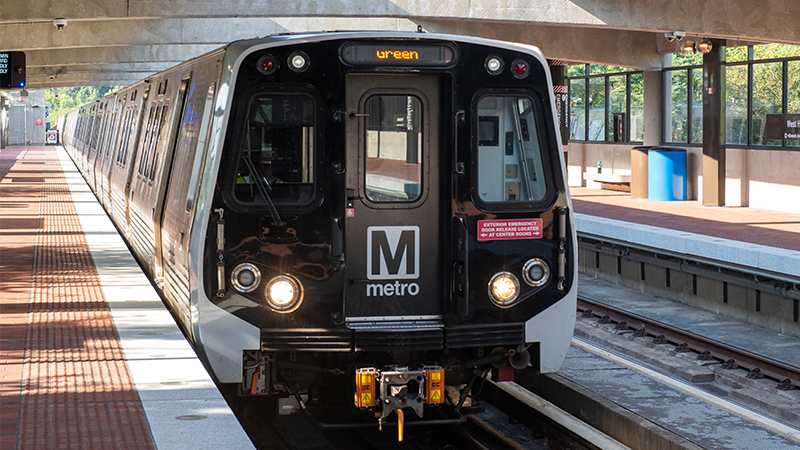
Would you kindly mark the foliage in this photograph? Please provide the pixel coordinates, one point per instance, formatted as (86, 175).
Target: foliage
(70, 98)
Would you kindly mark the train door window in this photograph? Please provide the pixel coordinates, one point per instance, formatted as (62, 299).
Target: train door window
(127, 129)
(199, 154)
(278, 149)
(148, 132)
(163, 128)
(510, 166)
(393, 144)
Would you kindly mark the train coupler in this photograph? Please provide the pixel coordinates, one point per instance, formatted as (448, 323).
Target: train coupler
(397, 387)
(256, 373)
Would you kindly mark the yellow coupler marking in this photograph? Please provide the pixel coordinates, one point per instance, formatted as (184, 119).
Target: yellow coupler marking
(400, 422)
(254, 385)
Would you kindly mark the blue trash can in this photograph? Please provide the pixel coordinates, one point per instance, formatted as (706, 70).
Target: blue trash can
(666, 174)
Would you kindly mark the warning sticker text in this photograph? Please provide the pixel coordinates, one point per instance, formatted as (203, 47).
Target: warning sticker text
(509, 229)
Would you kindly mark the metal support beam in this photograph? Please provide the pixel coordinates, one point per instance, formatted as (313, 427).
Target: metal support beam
(714, 125)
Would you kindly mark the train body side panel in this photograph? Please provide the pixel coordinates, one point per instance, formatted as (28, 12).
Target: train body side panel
(179, 196)
(122, 164)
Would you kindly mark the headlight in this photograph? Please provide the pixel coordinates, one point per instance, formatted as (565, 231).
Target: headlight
(536, 272)
(503, 289)
(245, 277)
(284, 293)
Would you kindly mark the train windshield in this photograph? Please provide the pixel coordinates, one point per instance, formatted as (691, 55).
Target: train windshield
(394, 148)
(277, 162)
(510, 167)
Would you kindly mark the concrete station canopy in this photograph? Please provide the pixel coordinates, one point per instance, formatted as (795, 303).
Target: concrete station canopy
(118, 42)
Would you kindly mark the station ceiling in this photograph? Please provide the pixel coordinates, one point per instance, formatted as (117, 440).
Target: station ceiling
(118, 42)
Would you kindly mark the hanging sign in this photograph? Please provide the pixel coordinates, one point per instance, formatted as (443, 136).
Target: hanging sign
(782, 126)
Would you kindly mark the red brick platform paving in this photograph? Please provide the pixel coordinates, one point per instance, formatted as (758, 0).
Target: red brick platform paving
(756, 226)
(63, 381)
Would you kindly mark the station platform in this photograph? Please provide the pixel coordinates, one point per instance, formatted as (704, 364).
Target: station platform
(739, 236)
(89, 356)
(731, 237)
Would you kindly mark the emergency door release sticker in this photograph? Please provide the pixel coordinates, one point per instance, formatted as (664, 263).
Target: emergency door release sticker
(489, 230)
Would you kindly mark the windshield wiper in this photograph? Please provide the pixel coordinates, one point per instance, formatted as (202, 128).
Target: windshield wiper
(263, 190)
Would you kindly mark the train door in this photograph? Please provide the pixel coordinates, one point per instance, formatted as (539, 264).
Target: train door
(392, 225)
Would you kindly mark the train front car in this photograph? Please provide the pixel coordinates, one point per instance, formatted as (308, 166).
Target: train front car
(390, 214)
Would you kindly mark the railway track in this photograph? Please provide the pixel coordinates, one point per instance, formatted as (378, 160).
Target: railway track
(757, 366)
(514, 418)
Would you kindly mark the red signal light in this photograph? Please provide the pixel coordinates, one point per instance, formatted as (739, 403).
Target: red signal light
(267, 65)
(520, 68)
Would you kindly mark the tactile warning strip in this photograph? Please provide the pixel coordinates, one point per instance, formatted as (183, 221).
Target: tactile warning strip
(70, 389)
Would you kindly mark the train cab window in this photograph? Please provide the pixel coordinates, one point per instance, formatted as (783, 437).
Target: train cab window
(393, 148)
(510, 167)
(277, 159)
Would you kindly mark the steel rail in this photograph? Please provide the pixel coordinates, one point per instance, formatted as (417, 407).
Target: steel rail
(546, 419)
(754, 363)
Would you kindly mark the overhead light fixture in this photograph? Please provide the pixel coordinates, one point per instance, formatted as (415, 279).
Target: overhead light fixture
(704, 47)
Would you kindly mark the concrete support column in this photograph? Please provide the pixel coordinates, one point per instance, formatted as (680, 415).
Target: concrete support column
(653, 123)
(714, 125)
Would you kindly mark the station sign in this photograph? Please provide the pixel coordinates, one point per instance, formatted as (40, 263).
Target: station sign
(12, 70)
(489, 230)
(782, 126)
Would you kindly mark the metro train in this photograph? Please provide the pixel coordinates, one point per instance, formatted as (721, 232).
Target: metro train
(368, 222)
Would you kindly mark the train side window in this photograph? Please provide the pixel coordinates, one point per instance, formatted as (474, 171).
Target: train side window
(199, 155)
(393, 148)
(510, 166)
(145, 145)
(278, 149)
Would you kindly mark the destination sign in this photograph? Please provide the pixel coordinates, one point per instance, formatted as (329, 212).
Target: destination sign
(12, 70)
(398, 54)
(782, 126)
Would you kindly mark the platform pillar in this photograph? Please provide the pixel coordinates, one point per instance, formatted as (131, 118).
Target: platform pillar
(653, 120)
(714, 125)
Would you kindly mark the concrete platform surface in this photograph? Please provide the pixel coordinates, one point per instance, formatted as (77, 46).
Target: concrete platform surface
(749, 237)
(89, 356)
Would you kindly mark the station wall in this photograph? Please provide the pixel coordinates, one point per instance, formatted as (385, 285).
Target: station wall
(766, 179)
(26, 119)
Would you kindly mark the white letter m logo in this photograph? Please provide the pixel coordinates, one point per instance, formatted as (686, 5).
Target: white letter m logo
(392, 253)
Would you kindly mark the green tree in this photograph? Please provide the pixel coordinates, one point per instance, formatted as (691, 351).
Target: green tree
(64, 100)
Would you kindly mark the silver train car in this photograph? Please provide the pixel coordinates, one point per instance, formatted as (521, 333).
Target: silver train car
(347, 220)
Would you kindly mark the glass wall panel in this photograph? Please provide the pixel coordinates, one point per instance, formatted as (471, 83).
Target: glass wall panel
(736, 54)
(577, 109)
(598, 69)
(697, 106)
(767, 98)
(687, 59)
(617, 94)
(597, 109)
(775, 51)
(793, 100)
(736, 105)
(577, 70)
(676, 116)
(637, 107)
